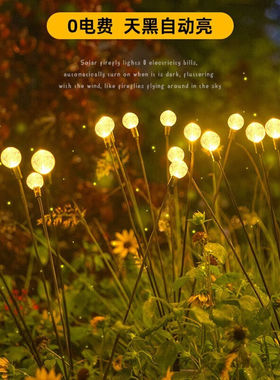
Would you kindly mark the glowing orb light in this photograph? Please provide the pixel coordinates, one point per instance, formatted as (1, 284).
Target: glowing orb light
(175, 154)
(272, 128)
(43, 161)
(210, 140)
(168, 118)
(255, 132)
(11, 157)
(104, 127)
(178, 169)
(235, 121)
(192, 132)
(35, 181)
(130, 120)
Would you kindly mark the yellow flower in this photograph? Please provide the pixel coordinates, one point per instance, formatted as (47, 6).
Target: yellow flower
(202, 299)
(126, 243)
(4, 365)
(169, 375)
(42, 374)
(95, 321)
(117, 363)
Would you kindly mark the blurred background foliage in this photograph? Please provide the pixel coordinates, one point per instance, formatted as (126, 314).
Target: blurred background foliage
(34, 113)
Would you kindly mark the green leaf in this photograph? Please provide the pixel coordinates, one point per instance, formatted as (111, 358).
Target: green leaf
(216, 250)
(201, 316)
(41, 289)
(43, 254)
(249, 303)
(179, 282)
(49, 364)
(225, 315)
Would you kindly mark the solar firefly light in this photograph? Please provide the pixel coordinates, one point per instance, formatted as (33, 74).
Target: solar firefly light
(35, 182)
(255, 132)
(175, 154)
(130, 121)
(210, 141)
(168, 119)
(235, 123)
(104, 129)
(192, 133)
(272, 128)
(43, 161)
(11, 158)
(178, 169)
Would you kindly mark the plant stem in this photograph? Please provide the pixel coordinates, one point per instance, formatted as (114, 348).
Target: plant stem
(232, 249)
(226, 156)
(152, 214)
(150, 271)
(270, 204)
(28, 339)
(233, 201)
(42, 272)
(143, 265)
(60, 278)
(46, 233)
(185, 237)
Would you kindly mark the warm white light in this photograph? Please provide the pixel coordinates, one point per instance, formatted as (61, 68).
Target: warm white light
(130, 120)
(168, 118)
(210, 140)
(255, 132)
(235, 121)
(104, 127)
(178, 169)
(175, 154)
(11, 157)
(272, 128)
(192, 132)
(35, 181)
(43, 161)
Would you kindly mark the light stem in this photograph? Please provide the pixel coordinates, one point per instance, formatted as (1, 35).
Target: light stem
(42, 272)
(152, 214)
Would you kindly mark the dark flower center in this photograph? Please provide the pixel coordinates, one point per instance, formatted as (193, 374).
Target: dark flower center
(127, 244)
(239, 334)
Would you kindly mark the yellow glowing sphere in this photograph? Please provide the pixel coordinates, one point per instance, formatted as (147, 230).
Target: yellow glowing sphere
(168, 118)
(235, 121)
(130, 120)
(255, 132)
(43, 161)
(11, 157)
(178, 169)
(192, 132)
(272, 128)
(34, 181)
(210, 140)
(104, 127)
(175, 154)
